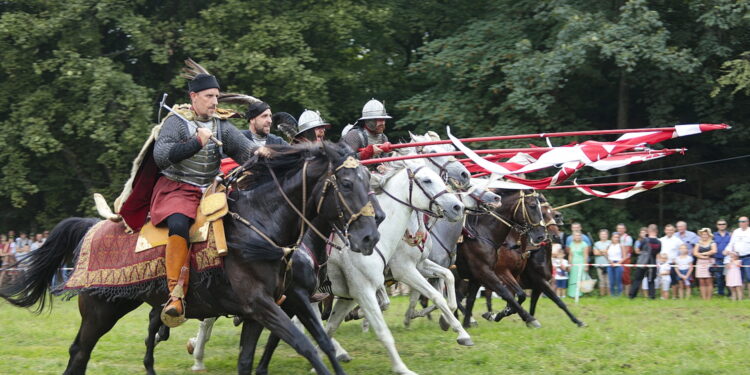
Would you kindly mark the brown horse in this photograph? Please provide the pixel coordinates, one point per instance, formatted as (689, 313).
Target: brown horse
(530, 267)
(248, 286)
(477, 254)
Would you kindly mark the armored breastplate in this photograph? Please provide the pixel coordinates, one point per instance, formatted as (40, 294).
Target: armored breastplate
(201, 168)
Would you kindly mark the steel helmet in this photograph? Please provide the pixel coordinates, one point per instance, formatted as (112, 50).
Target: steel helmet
(374, 110)
(310, 120)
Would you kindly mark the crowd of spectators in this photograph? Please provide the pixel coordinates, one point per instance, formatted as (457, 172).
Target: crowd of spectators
(14, 248)
(676, 261)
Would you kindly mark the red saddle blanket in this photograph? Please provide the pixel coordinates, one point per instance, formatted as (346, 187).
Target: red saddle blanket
(107, 258)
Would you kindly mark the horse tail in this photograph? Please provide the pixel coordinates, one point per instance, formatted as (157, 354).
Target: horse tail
(42, 264)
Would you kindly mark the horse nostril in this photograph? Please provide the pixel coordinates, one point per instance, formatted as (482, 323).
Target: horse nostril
(457, 207)
(464, 175)
(366, 239)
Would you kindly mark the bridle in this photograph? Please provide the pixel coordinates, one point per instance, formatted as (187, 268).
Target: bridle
(527, 225)
(365, 210)
(442, 168)
(432, 198)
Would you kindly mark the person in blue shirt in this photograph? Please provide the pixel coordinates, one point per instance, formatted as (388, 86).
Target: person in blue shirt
(721, 237)
(576, 228)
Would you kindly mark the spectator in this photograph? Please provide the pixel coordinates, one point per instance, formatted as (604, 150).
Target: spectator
(38, 241)
(626, 241)
(684, 263)
(647, 248)
(687, 237)
(670, 244)
(45, 235)
(721, 237)
(665, 274)
(740, 244)
(577, 256)
(600, 259)
(23, 244)
(615, 257)
(576, 228)
(561, 267)
(7, 255)
(704, 251)
(734, 276)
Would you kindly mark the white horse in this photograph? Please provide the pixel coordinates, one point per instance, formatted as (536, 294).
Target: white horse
(438, 253)
(356, 278)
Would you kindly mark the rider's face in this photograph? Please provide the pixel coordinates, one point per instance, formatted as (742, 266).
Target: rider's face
(205, 102)
(320, 133)
(261, 124)
(376, 126)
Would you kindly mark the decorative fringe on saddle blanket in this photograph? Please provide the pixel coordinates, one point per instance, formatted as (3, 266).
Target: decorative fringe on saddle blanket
(107, 265)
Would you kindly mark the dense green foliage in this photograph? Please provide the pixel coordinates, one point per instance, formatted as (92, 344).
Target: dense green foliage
(623, 337)
(80, 81)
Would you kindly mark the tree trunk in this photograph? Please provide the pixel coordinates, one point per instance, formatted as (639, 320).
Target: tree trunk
(623, 104)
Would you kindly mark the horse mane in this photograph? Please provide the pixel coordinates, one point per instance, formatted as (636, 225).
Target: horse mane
(288, 159)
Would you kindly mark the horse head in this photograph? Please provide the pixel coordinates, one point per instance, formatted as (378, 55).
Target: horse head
(447, 167)
(343, 198)
(522, 210)
(551, 216)
(480, 199)
(423, 189)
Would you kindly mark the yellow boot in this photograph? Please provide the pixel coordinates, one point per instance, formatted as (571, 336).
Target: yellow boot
(178, 274)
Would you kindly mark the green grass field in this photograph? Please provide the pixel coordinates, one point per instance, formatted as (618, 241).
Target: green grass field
(629, 337)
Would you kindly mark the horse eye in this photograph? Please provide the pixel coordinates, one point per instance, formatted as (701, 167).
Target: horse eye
(427, 181)
(347, 184)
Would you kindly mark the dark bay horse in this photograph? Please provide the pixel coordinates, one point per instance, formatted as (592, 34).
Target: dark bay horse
(251, 278)
(532, 267)
(477, 254)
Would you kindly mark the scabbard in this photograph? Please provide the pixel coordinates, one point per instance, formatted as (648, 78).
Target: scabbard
(221, 241)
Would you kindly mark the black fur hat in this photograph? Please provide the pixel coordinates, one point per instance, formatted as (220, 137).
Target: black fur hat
(203, 82)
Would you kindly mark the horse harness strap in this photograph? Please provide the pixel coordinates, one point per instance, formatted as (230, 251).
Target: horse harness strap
(412, 182)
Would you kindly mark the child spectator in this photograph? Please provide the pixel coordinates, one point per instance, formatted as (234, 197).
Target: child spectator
(665, 274)
(734, 277)
(684, 263)
(561, 267)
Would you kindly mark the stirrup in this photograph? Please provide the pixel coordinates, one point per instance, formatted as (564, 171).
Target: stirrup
(173, 321)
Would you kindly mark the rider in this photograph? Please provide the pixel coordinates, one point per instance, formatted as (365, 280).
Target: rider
(189, 162)
(259, 120)
(311, 128)
(367, 132)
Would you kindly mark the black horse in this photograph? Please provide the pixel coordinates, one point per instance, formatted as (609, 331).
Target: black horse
(249, 286)
(477, 255)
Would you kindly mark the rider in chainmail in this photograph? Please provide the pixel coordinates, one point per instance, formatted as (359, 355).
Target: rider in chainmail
(366, 136)
(189, 162)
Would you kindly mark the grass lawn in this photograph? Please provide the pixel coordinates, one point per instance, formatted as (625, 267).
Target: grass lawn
(628, 337)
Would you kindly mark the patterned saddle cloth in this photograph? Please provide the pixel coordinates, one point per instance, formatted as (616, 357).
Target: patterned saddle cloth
(107, 259)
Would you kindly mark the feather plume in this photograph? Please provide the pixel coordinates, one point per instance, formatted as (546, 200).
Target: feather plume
(233, 98)
(192, 69)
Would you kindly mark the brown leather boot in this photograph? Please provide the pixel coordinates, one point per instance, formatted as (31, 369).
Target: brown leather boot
(178, 274)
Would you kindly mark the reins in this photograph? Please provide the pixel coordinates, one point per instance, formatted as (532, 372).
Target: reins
(412, 181)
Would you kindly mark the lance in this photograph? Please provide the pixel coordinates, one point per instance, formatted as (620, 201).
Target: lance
(703, 128)
(627, 183)
(499, 152)
(164, 105)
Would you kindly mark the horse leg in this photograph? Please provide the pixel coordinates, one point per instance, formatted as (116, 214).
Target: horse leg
(535, 293)
(254, 283)
(550, 293)
(251, 331)
(509, 308)
(410, 313)
(415, 280)
(340, 309)
(308, 315)
(154, 322)
(197, 345)
(491, 281)
(471, 296)
(97, 318)
(368, 303)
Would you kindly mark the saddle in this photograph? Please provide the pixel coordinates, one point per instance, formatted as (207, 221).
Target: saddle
(212, 208)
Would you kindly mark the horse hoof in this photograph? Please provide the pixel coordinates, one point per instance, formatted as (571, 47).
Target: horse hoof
(197, 368)
(407, 322)
(534, 324)
(488, 315)
(465, 341)
(582, 325)
(473, 324)
(190, 345)
(344, 357)
(443, 324)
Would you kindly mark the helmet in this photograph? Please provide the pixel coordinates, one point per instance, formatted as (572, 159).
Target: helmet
(310, 120)
(374, 110)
